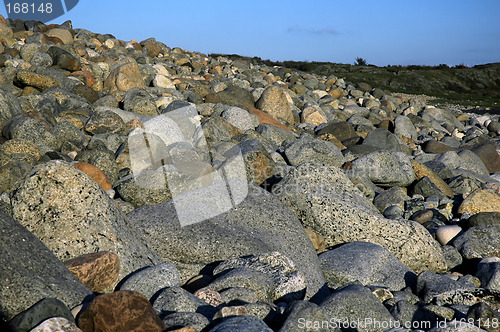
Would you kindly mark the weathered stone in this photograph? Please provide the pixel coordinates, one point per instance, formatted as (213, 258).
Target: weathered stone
(96, 174)
(274, 102)
(423, 171)
(106, 313)
(478, 242)
(151, 279)
(481, 200)
(98, 271)
(124, 78)
(308, 149)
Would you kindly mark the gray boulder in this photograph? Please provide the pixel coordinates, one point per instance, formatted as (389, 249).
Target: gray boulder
(355, 306)
(478, 242)
(29, 272)
(239, 118)
(178, 320)
(431, 285)
(310, 149)
(367, 263)
(404, 127)
(9, 106)
(139, 101)
(57, 198)
(489, 274)
(383, 139)
(241, 323)
(326, 201)
(150, 280)
(260, 223)
(177, 299)
(384, 168)
(299, 313)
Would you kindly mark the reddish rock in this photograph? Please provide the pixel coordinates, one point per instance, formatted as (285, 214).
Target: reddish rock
(2, 19)
(152, 49)
(124, 78)
(63, 34)
(122, 311)
(89, 78)
(96, 174)
(489, 156)
(266, 118)
(97, 271)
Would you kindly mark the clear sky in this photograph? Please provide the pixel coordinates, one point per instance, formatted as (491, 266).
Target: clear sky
(381, 31)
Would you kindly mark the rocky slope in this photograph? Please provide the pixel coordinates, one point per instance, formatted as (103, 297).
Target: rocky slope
(200, 193)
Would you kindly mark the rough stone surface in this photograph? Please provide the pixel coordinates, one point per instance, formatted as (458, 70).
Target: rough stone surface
(481, 201)
(80, 212)
(241, 323)
(326, 201)
(274, 102)
(105, 313)
(422, 171)
(124, 78)
(98, 271)
(367, 263)
(478, 242)
(176, 299)
(26, 267)
(309, 149)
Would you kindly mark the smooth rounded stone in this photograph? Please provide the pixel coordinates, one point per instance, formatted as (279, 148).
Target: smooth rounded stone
(96, 174)
(12, 172)
(486, 219)
(241, 323)
(385, 168)
(289, 283)
(341, 130)
(39, 312)
(41, 82)
(432, 146)
(124, 78)
(452, 257)
(9, 106)
(98, 270)
(306, 316)
(64, 59)
(392, 196)
(260, 223)
(308, 149)
(104, 161)
(231, 311)
(106, 313)
(274, 134)
(56, 324)
(41, 59)
(393, 212)
(456, 326)
(67, 132)
(239, 118)
(107, 101)
(367, 263)
(259, 282)
(105, 121)
(423, 171)
(81, 213)
(446, 233)
(427, 188)
(383, 139)
(149, 280)
(177, 299)
(326, 201)
(489, 274)
(139, 101)
(404, 127)
(32, 127)
(471, 162)
(27, 270)
(238, 295)
(273, 101)
(481, 200)
(179, 320)
(355, 304)
(431, 285)
(489, 156)
(478, 242)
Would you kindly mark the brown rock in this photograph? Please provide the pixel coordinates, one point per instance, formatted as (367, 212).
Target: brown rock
(135, 123)
(19, 145)
(41, 82)
(489, 156)
(316, 239)
(124, 78)
(336, 93)
(273, 101)
(63, 34)
(341, 130)
(436, 147)
(96, 174)
(185, 329)
(121, 311)
(481, 200)
(5, 29)
(422, 171)
(97, 271)
(266, 118)
(89, 77)
(422, 216)
(152, 49)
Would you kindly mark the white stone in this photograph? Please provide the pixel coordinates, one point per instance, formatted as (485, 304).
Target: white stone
(445, 234)
(162, 81)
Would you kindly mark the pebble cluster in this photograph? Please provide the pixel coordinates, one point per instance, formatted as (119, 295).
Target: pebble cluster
(361, 209)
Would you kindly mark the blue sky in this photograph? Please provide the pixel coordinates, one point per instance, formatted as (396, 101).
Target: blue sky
(382, 32)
